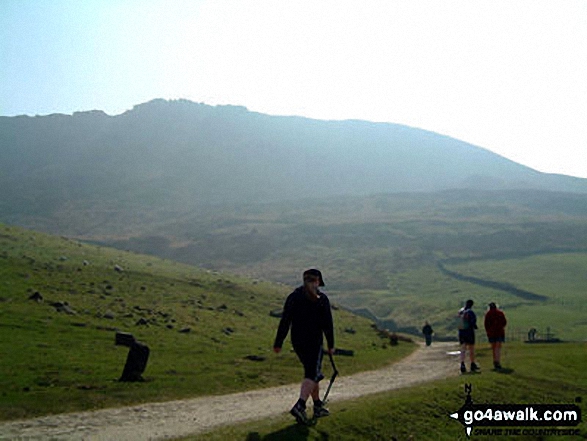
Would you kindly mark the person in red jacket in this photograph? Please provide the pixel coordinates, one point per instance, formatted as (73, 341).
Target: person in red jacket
(495, 322)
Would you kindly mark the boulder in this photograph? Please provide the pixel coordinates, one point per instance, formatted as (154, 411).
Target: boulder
(136, 362)
(124, 339)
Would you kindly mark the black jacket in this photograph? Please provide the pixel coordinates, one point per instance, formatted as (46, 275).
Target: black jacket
(427, 330)
(308, 320)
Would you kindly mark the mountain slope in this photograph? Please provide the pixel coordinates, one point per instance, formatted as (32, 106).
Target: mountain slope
(173, 154)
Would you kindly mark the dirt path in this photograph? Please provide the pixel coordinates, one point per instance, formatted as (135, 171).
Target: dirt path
(184, 417)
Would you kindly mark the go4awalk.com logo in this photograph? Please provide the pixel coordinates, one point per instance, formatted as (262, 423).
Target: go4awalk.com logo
(517, 418)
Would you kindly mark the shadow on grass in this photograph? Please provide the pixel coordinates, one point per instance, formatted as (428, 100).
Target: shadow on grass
(294, 432)
(506, 371)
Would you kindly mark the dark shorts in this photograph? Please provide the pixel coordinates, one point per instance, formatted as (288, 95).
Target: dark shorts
(496, 339)
(312, 361)
(467, 336)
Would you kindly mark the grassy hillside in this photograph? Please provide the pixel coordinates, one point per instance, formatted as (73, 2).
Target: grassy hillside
(63, 361)
(536, 374)
(391, 256)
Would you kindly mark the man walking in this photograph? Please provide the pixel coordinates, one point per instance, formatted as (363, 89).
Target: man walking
(307, 311)
(427, 331)
(467, 326)
(495, 322)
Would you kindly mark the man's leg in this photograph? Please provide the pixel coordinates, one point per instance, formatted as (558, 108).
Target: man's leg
(308, 388)
(316, 393)
(497, 353)
(299, 409)
(474, 366)
(462, 357)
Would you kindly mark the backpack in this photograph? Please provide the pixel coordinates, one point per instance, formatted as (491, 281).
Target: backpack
(463, 319)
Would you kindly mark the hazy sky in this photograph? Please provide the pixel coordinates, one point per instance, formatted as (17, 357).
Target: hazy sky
(510, 76)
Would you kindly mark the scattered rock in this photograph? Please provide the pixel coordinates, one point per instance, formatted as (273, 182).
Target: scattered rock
(346, 352)
(85, 263)
(255, 358)
(222, 307)
(62, 259)
(169, 326)
(37, 297)
(185, 330)
(109, 315)
(63, 307)
(228, 331)
(276, 313)
(350, 331)
(118, 268)
(142, 321)
(239, 313)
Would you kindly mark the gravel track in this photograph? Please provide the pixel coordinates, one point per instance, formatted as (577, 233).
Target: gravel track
(157, 421)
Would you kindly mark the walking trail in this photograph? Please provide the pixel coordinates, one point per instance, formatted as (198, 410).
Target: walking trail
(173, 419)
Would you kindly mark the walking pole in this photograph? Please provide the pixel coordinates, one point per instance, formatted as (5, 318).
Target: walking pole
(334, 375)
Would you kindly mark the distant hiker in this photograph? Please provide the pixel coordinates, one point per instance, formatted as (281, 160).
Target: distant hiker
(495, 322)
(467, 326)
(307, 311)
(393, 339)
(532, 334)
(427, 331)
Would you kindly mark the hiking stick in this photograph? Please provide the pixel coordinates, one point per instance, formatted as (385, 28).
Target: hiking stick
(334, 375)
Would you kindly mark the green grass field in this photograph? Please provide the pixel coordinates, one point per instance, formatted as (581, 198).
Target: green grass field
(425, 293)
(548, 374)
(56, 362)
(560, 277)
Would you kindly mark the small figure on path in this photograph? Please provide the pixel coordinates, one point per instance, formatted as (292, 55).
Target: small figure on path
(467, 326)
(307, 312)
(495, 323)
(427, 331)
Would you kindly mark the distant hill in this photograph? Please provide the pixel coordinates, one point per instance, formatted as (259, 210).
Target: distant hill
(174, 154)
